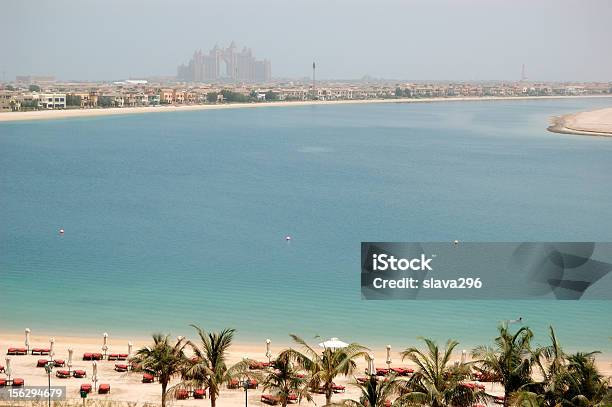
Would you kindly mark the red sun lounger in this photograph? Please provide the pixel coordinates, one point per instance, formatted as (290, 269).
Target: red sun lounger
(2, 382)
(18, 382)
(182, 394)
(148, 378)
(62, 374)
(79, 374)
(338, 389)
(120, 367)
(41, 362)
(199, 393)
(17, 351)
(104, 389)
(86, 387)
(253, 384)
(59, 363)
(40, 351)
(1, 369)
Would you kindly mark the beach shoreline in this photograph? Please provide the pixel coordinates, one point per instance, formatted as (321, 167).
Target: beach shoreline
(591, 123)
(79, 113)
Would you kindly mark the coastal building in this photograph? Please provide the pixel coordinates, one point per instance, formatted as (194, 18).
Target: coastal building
(9, 102)
(225, 64)
(52, 100)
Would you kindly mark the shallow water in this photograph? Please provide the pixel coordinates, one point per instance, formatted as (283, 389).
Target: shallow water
(178, 218)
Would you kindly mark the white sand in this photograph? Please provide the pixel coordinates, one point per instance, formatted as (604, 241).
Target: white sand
(62, 114)
(593, 123)
(128, 386)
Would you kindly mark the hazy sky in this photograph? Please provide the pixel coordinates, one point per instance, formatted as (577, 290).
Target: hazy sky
(412, 40)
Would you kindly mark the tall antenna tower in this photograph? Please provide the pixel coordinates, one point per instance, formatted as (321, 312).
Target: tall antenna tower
(314, 94)
(523, 75)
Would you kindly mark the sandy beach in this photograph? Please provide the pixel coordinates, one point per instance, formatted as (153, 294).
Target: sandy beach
(71, 113)
(593, 123)
(129, 387)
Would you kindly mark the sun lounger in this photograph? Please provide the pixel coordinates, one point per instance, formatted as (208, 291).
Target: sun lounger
(62, 374)
(498, 399)
(104, 388)
(253, 384)
(199, 393)
(40, 351)
(17, 351)
(400, 371)
(338, 389)
(121, 367)
(86, 387)
(92, 356)
(79, 374)
(41, 362)
(148, 378)
(381, 371)
(270, 399)
(2, 382)
(113, 356)
(259, 365)
(182, 394)
(59, 363)
(233, 384)
(1, 369)
(18, 382)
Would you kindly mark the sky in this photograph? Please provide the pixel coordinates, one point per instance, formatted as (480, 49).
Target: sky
(557, 40)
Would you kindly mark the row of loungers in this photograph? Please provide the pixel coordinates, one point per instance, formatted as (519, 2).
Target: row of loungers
(24, 351)
(400, 371)
(56, 362)
(184, 394)
(335, 388)
(65, 374)
(92, 356)
(17, 382)
(234, 384)
(102, 389)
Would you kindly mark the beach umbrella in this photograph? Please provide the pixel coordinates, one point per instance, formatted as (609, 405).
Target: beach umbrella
(51, 350)
(130, 345)
(94, 373)
(70, 351)
(268, 353)
(7, 368)
(333, 343)
(463, 355)
(389, 356)
(371, 366)
(27, 338)
(104, 343)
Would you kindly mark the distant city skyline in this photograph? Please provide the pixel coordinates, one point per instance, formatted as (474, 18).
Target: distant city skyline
(225, 64)
(468, 40)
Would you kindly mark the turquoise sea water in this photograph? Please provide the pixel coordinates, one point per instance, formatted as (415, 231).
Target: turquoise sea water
(178, 218)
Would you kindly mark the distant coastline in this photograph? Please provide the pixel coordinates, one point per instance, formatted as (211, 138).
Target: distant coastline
(592, 123)
(74, 113)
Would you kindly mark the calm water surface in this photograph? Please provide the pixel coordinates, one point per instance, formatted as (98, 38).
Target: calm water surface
(180, 217)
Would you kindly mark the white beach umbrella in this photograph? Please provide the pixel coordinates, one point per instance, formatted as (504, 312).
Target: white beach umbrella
(104, 342)
(7, 369)
(268, 353)
(389, 356)
(463, 356)
(130, 346)
(27, 338)
(371, 366)
(333, 343)
(94, 372)
(51, 350)
(70, 352)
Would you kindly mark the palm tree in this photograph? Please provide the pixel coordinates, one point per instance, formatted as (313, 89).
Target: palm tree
(208, 365)
(375, 393)
(438, 383)
(583, 384)
(286, 380)
(551, 361)
(323, 367)
(509, 360)
(163, 359)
